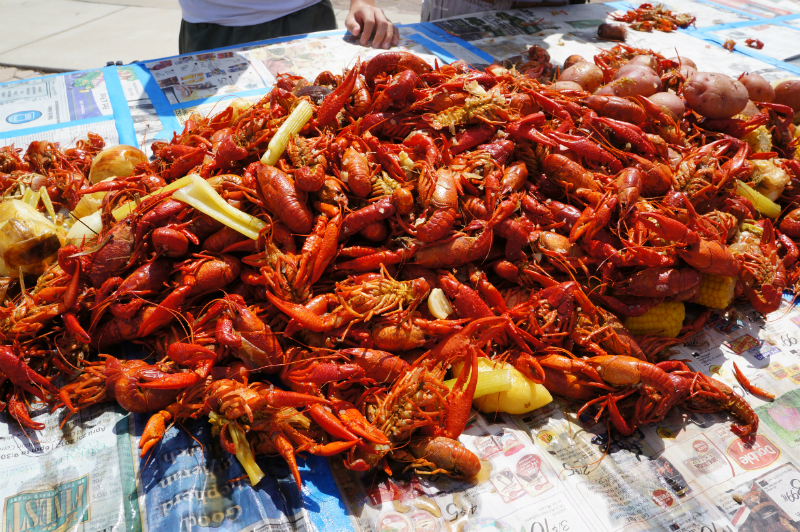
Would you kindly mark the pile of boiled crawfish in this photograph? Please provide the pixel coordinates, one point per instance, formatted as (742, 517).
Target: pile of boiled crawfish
(545, 217)
(649, 17)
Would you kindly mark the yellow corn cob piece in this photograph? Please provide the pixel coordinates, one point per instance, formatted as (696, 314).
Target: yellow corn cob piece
(665, 319)
(760, 140)
(716, 291)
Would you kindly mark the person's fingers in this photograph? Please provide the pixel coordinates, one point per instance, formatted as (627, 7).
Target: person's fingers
(367, 26)
(390, 38)
(380, 32)
(395, 37)
(352, 25)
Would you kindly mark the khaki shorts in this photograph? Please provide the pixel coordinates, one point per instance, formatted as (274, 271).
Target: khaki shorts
(195, 37)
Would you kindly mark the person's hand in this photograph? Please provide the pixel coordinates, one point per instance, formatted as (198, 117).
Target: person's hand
(364, 19)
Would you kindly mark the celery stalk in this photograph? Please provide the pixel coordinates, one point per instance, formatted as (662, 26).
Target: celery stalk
(244, 454)
(121, 212)
(48, 205)
(498, 380)
(200, 195)
(290, 127)
(765, 206)
(196, 191)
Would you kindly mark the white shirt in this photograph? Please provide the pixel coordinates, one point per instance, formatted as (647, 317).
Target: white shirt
(240, 12)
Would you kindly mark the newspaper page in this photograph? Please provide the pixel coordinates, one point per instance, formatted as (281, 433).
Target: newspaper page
(145, 118)
(507, 35)
(79, 476)
(203, 75)
(780, 41)
(763, 8)
(196, 76)
(189, 483)
(53, 100)
(454, 49)
(68, 135)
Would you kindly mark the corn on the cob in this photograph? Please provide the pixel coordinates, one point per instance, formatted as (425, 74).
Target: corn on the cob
(665, 319)
(760, 140)
(716, 291)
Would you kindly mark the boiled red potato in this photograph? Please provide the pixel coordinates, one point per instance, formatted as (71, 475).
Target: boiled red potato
(587, 75)
(612, 32)
(566, 86)
(636, 81)
(788, 93)
(750, 110)
(574, 59)
(628, 67)
(670, 103)
(644, 60)
(687, 71)
(757, 87)
(714, 95)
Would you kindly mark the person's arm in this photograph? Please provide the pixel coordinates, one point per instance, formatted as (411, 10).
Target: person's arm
(364, 19)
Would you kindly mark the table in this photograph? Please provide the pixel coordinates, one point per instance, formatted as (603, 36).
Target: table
(543, 471)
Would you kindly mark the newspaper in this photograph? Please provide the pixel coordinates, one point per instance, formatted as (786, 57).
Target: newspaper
(67, 135)
(53, 100)
(763, 8)
(202, 75)
(146, 123)
(416, 32)
(77, 477)
(779, 40)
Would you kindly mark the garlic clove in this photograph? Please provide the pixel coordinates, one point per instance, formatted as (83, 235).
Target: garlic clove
(438, 304)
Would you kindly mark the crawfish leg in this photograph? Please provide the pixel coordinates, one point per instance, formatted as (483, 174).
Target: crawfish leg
(285, 448)
(19, 411)
(745, 382)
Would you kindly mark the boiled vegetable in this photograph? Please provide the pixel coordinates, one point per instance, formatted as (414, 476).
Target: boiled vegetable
(763, 204)
(291, 127)
(200, 195)
(116, 161)
(28, 240)
(715, 95)
(521, 397)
